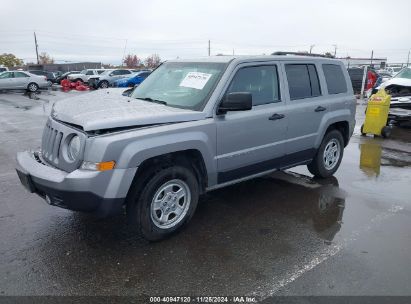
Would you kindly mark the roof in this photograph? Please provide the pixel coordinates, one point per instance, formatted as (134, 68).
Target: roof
(241, 58)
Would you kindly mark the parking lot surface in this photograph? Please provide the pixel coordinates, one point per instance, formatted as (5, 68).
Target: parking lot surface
(284, 234)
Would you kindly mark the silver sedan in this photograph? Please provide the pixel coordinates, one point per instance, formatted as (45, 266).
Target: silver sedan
(21, 80)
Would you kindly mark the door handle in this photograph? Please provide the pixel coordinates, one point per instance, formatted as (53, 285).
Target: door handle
(320, 109)
(276, 116)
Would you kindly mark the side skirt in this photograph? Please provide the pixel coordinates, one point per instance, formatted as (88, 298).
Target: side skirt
(264, 167)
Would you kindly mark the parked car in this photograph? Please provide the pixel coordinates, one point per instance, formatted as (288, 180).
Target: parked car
(84, 75)
(3, 69)
(65, 75)
(191, 127)
(51, 78)
(107, 78)
(136, 79)
(399, 87)
(21, 80)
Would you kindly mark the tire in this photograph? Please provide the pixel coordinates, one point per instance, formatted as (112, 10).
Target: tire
(362, 130)
(386, 132)
(322, 165)
(79, 79)
(49, 83)
(103, 85)
(154, 195)
(32, 87)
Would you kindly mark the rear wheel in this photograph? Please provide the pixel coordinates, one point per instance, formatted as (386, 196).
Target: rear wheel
(32, 87)
(162, 201)
(386, 132)
(329, 155)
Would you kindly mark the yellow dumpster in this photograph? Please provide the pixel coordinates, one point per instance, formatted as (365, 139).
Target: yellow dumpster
(376, 115)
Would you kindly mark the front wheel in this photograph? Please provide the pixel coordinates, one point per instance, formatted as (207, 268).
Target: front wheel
(163, 201)
(329, 155)
(104, 84)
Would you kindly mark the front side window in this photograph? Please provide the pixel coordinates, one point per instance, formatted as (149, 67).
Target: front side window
(302, 81)
(90, 73)
(334, 78)
(184, 85)
(260, 81)
(6, 75)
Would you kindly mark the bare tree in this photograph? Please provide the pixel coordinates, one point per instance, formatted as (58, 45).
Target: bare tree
(153, 61)
(132, 61)
(45, 58)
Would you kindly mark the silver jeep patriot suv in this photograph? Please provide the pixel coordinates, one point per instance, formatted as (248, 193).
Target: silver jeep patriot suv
(190, 127)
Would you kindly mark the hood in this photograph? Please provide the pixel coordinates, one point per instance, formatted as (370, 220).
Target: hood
(107, 109)
(405, 82)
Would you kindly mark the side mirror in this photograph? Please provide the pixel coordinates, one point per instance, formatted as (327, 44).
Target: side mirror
(128, 92)
(236, 101)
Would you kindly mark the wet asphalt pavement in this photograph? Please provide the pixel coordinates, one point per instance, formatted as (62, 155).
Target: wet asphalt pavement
(284, 234)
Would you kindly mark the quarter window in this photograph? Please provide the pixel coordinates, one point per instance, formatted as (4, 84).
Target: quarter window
(260, 81)
(334, 78)
(302, 81)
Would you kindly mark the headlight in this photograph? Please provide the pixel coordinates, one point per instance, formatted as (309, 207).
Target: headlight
(73, 149)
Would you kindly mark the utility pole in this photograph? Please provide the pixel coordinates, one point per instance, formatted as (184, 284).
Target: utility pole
(311, 47)
(407, 65)
(335, 50)
(37, 48)
(124, 54)
(209, 48)
(372, 56)
(408, 58)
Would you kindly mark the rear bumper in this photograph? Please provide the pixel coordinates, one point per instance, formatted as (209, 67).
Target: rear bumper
(100, 193)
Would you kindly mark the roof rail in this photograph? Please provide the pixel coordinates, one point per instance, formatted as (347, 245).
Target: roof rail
(301, 54)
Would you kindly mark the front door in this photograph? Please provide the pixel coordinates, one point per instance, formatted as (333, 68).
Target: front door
(250, 142)
(6, 80)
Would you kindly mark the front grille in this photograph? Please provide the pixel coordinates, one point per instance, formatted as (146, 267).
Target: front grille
(51, 144)
(56, 136)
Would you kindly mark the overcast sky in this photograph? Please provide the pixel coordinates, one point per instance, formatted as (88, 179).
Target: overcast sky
(98, 30)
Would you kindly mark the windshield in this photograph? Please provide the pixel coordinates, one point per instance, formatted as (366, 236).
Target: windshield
(404, 73)
(181, 84)
(83, 72)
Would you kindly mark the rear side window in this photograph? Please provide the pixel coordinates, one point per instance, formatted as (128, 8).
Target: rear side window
(335, 79)
(302, 81)
(89, 73)
(260, 81)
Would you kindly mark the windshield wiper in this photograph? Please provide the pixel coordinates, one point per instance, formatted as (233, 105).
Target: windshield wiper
(153, 100)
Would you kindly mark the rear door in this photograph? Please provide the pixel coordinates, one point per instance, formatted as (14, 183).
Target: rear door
(307, 105)
(21, 80)
(250, 142)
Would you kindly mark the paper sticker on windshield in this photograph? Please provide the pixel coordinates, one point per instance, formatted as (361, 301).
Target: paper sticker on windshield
(195, 80)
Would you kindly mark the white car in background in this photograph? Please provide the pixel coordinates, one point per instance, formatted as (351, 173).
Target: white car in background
(84, 75)
(21, 80)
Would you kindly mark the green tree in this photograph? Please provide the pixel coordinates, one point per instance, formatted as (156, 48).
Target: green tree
(10, 60)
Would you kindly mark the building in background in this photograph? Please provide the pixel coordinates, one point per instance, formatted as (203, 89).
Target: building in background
(64, 67)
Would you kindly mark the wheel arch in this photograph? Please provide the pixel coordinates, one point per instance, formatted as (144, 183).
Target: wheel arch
(190, 158)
